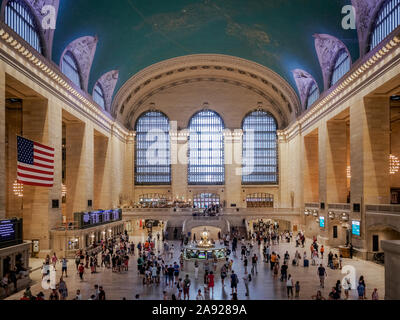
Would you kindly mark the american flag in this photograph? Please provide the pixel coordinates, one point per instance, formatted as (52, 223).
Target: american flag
(35, 163)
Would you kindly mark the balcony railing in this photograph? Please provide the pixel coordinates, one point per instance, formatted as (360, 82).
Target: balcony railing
(339, 206)
(382, 208)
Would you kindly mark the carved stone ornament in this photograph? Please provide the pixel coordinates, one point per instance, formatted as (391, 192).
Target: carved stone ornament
(108, 82)
(327, 48)
(83, 50)
(304, 81)
(366, 11)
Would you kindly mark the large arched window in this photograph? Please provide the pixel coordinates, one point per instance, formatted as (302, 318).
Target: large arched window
(206, 149)
(387, 20)
(70, 68)
(260, 149)
(98, 95)
(18, 17)
(152, 162)
(342, 66)
(313, 95)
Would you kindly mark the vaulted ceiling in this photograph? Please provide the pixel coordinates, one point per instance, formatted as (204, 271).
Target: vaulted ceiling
(134, 34)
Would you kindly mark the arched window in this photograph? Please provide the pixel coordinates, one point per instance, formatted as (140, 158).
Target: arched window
(98, 95)
(342, 66)
(69, 67)
(313, 95)
(260, 149)
(18, 17)
(152, 162)
(387, 20)
(206, 149)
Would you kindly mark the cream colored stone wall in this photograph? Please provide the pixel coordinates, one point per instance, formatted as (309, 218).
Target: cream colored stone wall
(3, 186)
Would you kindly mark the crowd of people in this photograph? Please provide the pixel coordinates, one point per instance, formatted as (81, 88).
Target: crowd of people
(160, 265)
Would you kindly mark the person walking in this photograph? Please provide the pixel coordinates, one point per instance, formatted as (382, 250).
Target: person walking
(62, 289)
(246, 281)
(289, 286)
(64, 265)
(186, 287)
(211, 282)
(196, 270)
(81, 270)
(223, 274)
(234, 281)
(322, 275)
(297, 289)
(254, 261)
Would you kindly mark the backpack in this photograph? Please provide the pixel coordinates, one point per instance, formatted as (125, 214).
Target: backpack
(249, 277)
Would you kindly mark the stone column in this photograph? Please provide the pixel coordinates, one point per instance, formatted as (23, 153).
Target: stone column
(13, 128)
(45, 127)
(233, 168)
(333, 162)
(79, 167)
(392, 267)
(129, 167)
(311, 168)
(3, 184)
(369, 149)
(102, 173)
(179, 164)
(117, 168)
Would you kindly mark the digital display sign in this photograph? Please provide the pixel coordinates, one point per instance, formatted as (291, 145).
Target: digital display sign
(322, 222)
(94, 218)
(355, 228)
(7, 230)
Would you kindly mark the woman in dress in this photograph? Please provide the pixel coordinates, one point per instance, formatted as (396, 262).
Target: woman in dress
(211, 282)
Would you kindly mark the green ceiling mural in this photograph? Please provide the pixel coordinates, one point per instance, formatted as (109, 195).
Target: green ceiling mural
(134, 34)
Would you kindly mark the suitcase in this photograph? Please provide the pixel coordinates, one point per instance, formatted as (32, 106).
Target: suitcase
(306, 263)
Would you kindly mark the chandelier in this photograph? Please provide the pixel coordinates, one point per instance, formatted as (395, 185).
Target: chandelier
(394, 164)
(18, 189)
(63, 190)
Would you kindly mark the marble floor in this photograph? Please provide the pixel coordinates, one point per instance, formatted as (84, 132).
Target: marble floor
(263, 286)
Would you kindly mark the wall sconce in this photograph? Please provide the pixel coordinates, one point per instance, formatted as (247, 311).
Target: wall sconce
(331, 215)
(315, 213)
(306, 212)
(345, 216)
(18, 189)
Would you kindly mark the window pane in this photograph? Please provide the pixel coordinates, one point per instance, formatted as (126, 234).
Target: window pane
(19, 18)
(152, 163)
(206, 149)
(260, 149)
(342, 66)
(388, 20)
(98, 96)
(70, 68)
(313, 95)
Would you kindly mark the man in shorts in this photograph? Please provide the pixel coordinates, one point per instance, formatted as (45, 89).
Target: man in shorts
(64, 264)
(234, 282)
